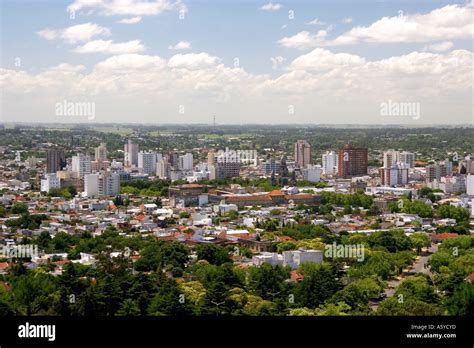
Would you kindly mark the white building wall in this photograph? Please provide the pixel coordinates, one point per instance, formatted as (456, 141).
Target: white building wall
(470, 185)
(147, 162)
(91, 185)
(81, 164)
(312, 173)
(186, 161)
(50, 181)
(329, 163)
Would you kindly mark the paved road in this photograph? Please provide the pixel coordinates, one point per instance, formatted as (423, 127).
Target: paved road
(419, 266)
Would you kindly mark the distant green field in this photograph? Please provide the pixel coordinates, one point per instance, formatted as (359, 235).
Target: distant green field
(118, 130)
(58, 129)
(219, 136)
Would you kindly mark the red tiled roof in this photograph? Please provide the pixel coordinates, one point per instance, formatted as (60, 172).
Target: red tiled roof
(255, 198)
(299, 196)
(285, 238)
(296, 276)
(4, 265)
(443, 236)
(140, 217)
(276, 193)
(470, 278)
(61, 262)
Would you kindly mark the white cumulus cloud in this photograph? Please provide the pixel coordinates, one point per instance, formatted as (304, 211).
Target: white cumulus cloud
(75, 33)
(439, 47)
(271, 7)
(131, 20)
(128, 7)
(110, 47)
(182, 45)
(446, 23)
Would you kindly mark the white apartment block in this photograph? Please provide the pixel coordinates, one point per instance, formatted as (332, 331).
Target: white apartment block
(101, 152)
(407, 158)
(392, 157)
(102, 184)
(395, 175)
(186, 161)
(292, 258)
(163, 169)
(330, 162)
(147, 162)
(470, 185)
(50, 181)
(312, 173)
(449, 184)
(130, 154)
(81, 164)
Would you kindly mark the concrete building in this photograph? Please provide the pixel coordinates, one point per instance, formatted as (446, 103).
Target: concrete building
(312, 173)
(50, 181)
(352, 161)
(390, 158)
(130, 154)
(468, 164)
(294, 258)
(102, 184)
(212, 172)
(438, 170)
(147, 162)
(407, 158)
(227, 168)
(302, 153)
(270, 166)
(224, 209)
(211, 158)
(163, 169)
(101, 152)
(173, 159)
(449, 184)
(267, 257)
(55, 160)
(397, 174)
(330, 163)
(396, 191)
(188, 195)
(186, 162)
(470, 185)
(81, 164)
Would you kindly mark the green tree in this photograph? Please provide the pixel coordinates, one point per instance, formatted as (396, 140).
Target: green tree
(462, 301)
(128, 308)
(19, 208)
(358, 293)
(214, 254)
(284, 246)
(393, 241)
(320, 282)
(407, 307)
(452, 212)
(267, 281)
(417, 287)
(420, 240)
(35, 294)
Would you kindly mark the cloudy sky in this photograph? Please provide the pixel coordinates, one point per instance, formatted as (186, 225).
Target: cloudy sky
(183, 61)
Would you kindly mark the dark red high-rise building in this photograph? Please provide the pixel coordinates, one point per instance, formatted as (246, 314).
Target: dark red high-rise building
(352, 161)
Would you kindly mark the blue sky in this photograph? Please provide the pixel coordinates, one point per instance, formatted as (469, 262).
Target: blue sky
(228, 30)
